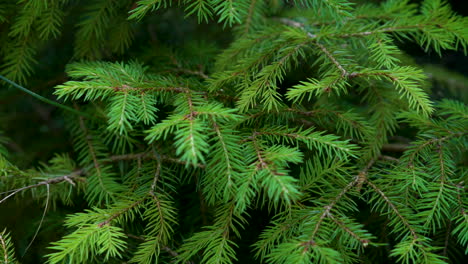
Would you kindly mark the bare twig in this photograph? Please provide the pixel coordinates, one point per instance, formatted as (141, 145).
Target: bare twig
(42, 219)
(395, 147)
(389, 158)
(68, 178)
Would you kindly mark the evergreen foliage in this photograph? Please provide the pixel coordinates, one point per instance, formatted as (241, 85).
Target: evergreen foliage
(256, 131)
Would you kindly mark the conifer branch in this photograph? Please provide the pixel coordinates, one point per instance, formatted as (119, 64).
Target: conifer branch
(149, 155)
(6, 257)
(262, 164)
(46, 207)
(7, 252)
(181, 69)
(169, 250)
(394, 209)
(92, 152)
(415, 151)
(327, 211)
(295, 24)
(365, 242)
(287, 117)
(344, 73)
(68, 178)
(447, 238)
(395, 147)
(156, 177)
(121, 212)
(460, 187)
(248, 21)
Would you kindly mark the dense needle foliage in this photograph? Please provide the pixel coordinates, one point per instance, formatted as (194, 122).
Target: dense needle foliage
(231, 131)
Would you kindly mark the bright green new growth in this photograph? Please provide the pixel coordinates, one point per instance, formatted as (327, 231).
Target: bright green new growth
(189, 146)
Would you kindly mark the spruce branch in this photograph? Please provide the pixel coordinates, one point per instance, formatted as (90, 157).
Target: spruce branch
(327, 211)
(344, 72)
(180, 68)
(447, 238)
(287, 118)
(395, 210)
(92, 152)
(121, 212)
(7, 252)
(169, 250)
(149, 155)
(395, 147)
(68, 178)
(156, 176)
(364, 241)
(248, 21)
(416, 149)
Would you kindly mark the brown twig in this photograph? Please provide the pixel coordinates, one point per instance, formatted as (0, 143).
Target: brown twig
(395, 209)
(69, 178)
(395, 147)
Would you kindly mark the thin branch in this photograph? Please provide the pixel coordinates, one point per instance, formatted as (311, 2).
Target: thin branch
(362, 176)
(67, 178)
(262, 164)
(4, 247)
(45, 100)
(430, 142)
(344, 73)
(119, 213)
(156, 174)
(395, 147)
(447, 237)
(389, 158)
(382, 30)
(393, 207)
(174, 89)
(199, 73)
(363, 241)
(147, 155)
(295, 24)
(170, 251)
(188, 71)
(88, 138)
(42, 219)
(292, 23)
(248, 21)
(460, 188)
(165, 248)
(329, 207)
